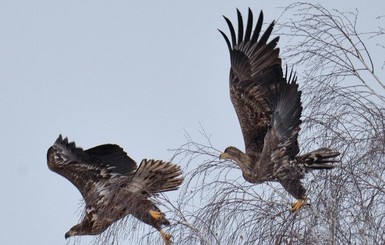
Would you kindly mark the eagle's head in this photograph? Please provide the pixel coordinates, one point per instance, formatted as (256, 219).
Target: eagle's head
(236, 155)
(79, 229)
(243, 160)
(90, 226)
(70, 233)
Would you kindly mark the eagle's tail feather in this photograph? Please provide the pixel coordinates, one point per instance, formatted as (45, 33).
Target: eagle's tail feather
(319, 159)
(155, 176)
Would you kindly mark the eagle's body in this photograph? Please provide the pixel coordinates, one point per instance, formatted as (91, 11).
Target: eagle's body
(112, 185)
(268, 106)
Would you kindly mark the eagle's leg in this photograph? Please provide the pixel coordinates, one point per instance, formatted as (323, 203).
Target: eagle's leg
(166, 237)
(156, 214)
(299, 204)
(160, 216)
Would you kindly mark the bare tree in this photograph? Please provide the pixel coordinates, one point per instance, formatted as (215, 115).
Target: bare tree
(343, 97)
(344, 100)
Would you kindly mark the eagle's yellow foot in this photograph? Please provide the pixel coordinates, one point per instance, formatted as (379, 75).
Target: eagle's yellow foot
(166, 237)
(298, 204)
(156, 214)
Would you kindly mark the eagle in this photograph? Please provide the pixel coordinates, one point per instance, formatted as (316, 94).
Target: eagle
(112, 185)
(267, 102)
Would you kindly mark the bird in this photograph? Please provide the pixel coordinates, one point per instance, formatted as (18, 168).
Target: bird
(112, 185)
(268, 105)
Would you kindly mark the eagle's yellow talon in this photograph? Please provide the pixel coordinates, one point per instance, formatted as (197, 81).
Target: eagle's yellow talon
(295, 207)
(156, 214)
(166, 237)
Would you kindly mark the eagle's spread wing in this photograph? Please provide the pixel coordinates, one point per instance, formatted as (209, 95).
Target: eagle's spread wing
(255, 74)
(84, 168)
(281, 140)
(285, 123)
(114, 156)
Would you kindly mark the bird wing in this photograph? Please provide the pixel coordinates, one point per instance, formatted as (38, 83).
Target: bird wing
(89, 170)
(281, 140)
(112, 156)
(254, 75)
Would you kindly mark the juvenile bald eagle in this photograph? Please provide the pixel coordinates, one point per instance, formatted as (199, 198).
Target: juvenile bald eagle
(268, 106)
(112, 185)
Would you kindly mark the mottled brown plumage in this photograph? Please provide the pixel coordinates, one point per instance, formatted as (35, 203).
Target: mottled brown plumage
(112, 185)
(268, 106)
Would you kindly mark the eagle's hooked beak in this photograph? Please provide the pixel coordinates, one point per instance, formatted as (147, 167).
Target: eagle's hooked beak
(69, 234)
(224, 156)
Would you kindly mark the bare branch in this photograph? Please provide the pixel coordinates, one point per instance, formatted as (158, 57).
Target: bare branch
(216, 206)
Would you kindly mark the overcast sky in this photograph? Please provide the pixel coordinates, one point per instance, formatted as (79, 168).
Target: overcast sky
(132, 73)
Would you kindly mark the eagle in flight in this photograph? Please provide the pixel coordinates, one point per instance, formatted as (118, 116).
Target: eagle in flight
(112, 185)
(268, 105)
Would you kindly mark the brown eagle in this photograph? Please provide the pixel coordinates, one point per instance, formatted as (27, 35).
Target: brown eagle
(268, 106)
(112, 185)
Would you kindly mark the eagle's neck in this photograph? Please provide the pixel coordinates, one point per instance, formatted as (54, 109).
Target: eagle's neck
(257, 172)
(247, 164)
(244, 162)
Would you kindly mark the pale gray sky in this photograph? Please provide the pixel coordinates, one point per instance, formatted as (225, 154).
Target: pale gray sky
(132, 73)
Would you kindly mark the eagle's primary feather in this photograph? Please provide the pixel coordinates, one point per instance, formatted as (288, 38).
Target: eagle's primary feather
(268, 106)
(112, 185)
